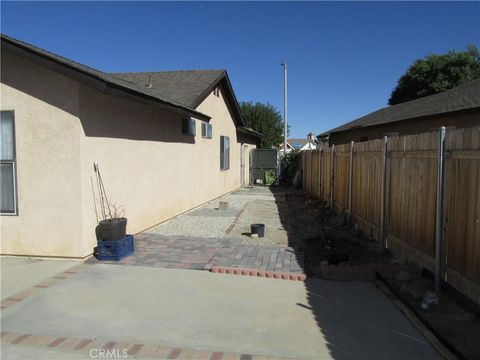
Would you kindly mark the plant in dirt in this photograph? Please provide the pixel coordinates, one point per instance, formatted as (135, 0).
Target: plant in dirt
(270, 178)
(290, 166)
(117, 212)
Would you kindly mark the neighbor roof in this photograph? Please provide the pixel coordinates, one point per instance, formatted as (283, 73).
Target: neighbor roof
(292, 142)
(461, 98)
(92, 76)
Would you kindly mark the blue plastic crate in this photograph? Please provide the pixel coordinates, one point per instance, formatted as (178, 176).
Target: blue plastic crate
(115, 250)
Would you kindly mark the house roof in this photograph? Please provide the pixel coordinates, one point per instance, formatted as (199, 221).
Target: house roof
(186, 87)
(182, 87)
(461, 98)
(101, 80)
(302, 142)
(292, 142)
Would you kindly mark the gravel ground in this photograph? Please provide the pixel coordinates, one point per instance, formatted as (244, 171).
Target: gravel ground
(258, 205)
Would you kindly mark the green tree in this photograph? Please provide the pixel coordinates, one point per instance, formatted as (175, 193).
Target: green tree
(436, 73)
(265, 119)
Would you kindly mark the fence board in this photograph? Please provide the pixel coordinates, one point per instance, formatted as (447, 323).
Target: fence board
(412, 173)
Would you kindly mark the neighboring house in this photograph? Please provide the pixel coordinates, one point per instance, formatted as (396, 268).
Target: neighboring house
(458, 107)
(300, 144)
(165, 143)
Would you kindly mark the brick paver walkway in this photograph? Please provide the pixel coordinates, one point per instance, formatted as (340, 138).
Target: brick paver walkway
(203, 253)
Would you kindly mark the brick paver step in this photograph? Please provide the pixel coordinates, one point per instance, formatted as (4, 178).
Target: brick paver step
(194, 253)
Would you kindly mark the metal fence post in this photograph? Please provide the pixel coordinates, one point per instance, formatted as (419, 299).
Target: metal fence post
(332, 176)
(302, 157)
(350, 181)
(384, 191)
(319, 173)
(439, 210)
(311, 172)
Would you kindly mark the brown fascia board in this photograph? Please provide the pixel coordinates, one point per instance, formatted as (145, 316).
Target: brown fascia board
(250, 132)
(230, 94)
(423, 117)
(95, 81)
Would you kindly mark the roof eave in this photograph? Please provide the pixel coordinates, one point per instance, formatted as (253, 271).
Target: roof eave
(91, 79)
(250, 132)
(395, 122)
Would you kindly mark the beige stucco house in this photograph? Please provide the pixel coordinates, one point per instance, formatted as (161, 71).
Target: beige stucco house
(59, 117)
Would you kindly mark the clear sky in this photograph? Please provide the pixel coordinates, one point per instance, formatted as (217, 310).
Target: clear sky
(344, 58)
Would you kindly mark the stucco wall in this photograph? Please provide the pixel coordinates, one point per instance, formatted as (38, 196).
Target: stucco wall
(148, 166)
(47, 133)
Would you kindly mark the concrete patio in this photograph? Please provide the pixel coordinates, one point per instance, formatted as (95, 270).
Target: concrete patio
(174, 313)
(155, 306)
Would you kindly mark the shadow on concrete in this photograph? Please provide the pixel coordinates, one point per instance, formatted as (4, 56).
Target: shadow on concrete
(356, 320)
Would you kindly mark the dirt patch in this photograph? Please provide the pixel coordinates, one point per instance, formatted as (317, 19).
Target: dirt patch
(325, 237)
(457, 327)
(328, 238)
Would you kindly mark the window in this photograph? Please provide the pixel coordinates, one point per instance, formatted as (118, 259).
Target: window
(224, 153)
(188, 126)
(206, 130)
(8, 201)
(216, 91)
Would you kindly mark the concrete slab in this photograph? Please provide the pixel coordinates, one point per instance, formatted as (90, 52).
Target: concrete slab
(19, 273)
(315, 320)
(23, 353)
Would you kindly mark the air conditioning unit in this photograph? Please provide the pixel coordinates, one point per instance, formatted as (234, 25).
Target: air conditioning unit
(188, 126)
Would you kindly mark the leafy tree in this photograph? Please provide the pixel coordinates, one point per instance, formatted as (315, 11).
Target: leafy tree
(265, 119)
(436, 73)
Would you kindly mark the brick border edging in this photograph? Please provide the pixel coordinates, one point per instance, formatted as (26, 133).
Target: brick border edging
(136, 349)
(258, 273)
(51, 281)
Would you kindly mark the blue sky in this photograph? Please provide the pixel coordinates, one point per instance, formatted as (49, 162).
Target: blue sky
(344, 58)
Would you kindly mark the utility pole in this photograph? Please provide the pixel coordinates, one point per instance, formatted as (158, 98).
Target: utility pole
(284, 64)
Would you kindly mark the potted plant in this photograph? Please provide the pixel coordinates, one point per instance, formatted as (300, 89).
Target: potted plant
(113, 224)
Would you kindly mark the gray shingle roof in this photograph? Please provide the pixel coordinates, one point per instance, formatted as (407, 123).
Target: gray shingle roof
(108, 79)
(463, 97)
(182, 87)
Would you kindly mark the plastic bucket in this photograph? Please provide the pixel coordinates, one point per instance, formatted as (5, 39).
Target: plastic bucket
(113, 230)
(258, 229)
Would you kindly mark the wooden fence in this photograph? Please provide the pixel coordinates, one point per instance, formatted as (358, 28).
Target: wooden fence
(350, 177)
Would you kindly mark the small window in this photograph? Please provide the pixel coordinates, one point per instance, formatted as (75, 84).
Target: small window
(216, 91)
(8, 199)
(188, 127)
(224, 153)
(206, 130)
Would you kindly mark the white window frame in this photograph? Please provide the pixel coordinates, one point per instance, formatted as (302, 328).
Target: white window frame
(207, 131)
(13, 162)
